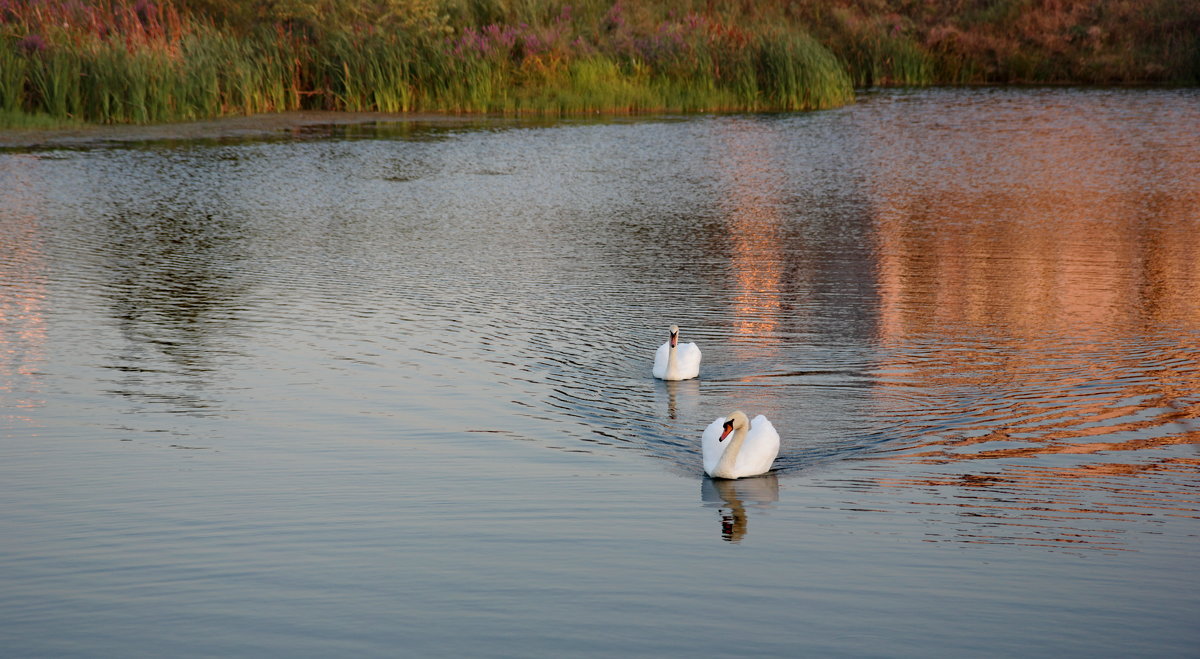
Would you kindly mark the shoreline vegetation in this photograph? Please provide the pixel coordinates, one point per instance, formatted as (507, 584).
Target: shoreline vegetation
(66, 62)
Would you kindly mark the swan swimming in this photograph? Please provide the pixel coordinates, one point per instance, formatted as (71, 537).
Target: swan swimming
(676, 361)
(750, 451)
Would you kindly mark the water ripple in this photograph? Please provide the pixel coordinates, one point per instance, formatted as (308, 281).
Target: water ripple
(869, 279)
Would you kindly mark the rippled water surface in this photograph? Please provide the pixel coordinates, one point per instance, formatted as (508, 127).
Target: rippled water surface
(384, 389)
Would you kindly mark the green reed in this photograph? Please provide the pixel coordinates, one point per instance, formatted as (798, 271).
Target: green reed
(13, 74)
(797, 73)
(201, 70)
(54, 83)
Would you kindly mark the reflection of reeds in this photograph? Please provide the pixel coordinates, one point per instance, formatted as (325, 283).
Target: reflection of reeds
(141, 61)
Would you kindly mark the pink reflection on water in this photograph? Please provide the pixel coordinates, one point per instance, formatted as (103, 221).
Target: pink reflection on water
(23, 332)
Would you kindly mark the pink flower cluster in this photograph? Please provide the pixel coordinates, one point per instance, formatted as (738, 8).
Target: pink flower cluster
(514, 42)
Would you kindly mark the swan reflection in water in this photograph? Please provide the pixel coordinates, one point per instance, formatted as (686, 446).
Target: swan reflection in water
(731, 498)
(689, 390)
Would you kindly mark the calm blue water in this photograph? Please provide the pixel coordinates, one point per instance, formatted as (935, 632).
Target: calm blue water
(383, 389)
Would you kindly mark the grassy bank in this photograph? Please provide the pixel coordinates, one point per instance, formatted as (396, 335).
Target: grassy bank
(143, 61)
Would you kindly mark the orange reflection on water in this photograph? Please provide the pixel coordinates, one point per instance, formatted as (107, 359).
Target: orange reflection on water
(1053, 314)
(1077, 232)
(753, 238)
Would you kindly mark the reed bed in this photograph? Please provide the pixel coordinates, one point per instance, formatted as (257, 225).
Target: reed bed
(141, 61)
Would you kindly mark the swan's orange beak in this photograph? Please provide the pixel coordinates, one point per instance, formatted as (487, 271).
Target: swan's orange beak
(728, 429)
(674, 340)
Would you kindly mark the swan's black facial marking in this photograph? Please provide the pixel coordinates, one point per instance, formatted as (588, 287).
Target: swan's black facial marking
(728, 426)
(674, 340)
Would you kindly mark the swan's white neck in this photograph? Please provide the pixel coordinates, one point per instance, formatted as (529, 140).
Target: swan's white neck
(672, 345)
(724, 468)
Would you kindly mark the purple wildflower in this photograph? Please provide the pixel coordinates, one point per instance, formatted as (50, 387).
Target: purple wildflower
(146, 12)
(31, 44)
(614, 21)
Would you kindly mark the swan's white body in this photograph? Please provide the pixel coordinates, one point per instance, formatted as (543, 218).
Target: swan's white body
(676, 361)
(748, 448)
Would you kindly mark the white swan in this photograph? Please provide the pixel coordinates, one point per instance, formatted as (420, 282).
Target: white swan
(675, 361)
(750, 451)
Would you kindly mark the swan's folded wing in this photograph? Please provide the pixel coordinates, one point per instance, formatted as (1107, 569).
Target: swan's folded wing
(687, 359)
(688, 353)
(761, 446)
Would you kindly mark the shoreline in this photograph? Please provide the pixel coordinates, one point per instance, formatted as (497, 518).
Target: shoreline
(296, 122)
(219, 128)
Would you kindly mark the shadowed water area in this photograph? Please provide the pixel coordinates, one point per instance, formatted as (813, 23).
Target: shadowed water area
(384, 388)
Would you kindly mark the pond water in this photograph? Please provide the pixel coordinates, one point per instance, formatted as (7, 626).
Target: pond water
(383, 388)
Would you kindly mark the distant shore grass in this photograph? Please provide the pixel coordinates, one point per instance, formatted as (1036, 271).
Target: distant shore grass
(141, 61)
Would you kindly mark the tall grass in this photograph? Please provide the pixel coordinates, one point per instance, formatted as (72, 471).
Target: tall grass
(372, 73)
(145, 61)
(13, 74)
(129, 64)
(794, 72)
